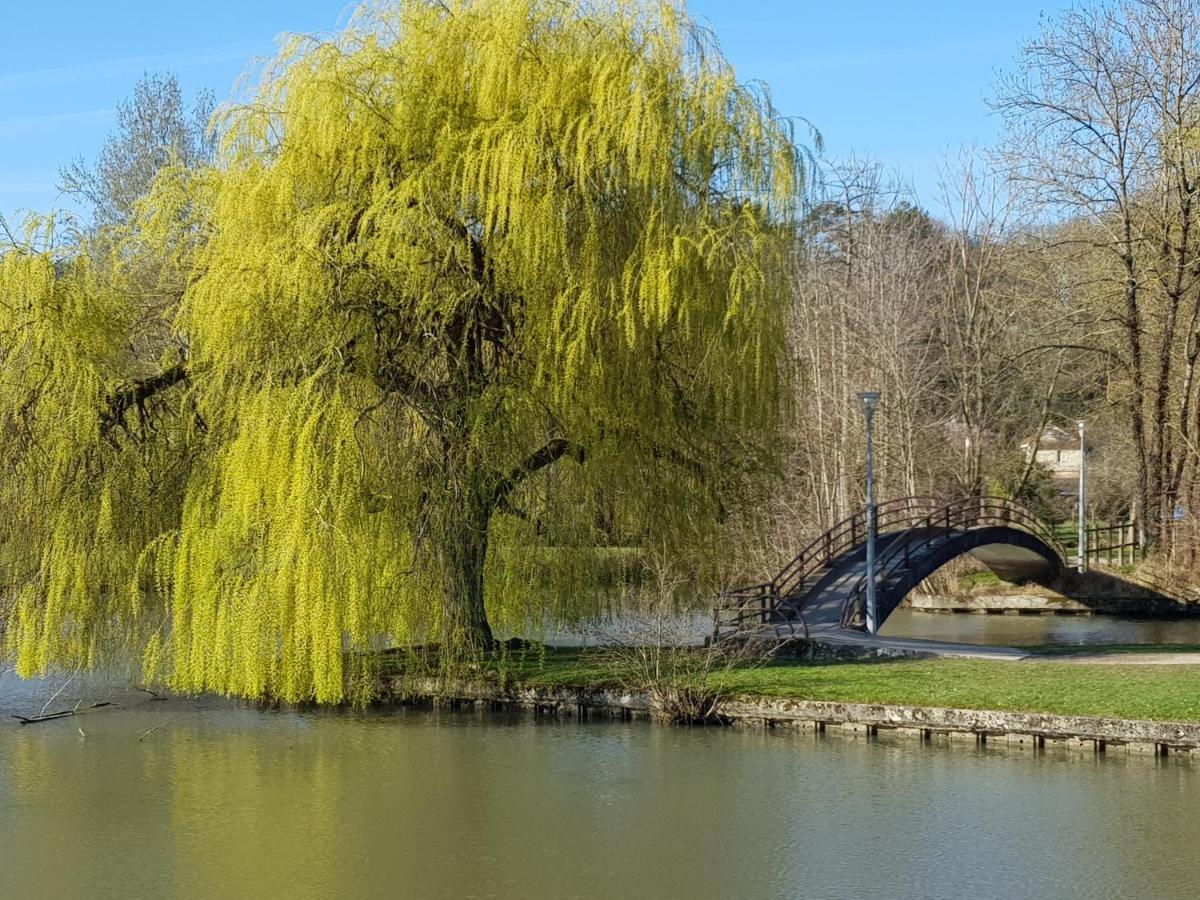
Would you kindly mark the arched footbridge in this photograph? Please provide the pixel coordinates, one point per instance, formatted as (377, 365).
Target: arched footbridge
(822, 590)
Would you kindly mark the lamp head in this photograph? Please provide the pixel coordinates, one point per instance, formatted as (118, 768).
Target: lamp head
(869, 400)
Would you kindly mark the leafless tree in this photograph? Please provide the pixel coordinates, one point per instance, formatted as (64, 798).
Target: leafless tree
(1102, 114)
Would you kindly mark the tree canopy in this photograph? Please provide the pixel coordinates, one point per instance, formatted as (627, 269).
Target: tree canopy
(153, 129)
(478, 300)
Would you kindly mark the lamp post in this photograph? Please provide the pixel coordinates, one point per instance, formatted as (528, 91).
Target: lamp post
(1082, 501)
(869, 400)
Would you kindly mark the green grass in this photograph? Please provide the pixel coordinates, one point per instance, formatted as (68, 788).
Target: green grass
(1121, 691)
(980, 578)
(1164, 692)
(558, 668)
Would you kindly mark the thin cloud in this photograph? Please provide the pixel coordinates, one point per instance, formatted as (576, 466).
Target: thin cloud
(121, 66)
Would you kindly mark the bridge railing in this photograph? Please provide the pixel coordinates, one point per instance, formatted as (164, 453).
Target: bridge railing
(846, 535)
(959, 515)
(742, 607)
(758, 604)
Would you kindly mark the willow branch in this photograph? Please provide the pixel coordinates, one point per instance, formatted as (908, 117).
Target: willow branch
(545, 456)
(136, 393)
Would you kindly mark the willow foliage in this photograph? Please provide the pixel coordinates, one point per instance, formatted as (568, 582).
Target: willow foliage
(87, 483)
(486, 300)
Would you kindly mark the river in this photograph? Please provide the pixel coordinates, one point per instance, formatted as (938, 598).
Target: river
(1040, 629)
(967, 628)
(222, 800)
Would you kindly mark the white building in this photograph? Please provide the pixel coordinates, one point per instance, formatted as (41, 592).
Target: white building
(1058, 450)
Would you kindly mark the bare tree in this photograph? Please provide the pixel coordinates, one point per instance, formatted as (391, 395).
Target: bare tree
(1102, 113)
(154, 128)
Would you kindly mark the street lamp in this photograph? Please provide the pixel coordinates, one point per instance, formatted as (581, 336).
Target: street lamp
(1082, 501)
(869, 400)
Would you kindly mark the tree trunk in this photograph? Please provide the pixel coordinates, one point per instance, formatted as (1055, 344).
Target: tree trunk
(472, 493)
(1147, 500)
(464, 511)
(464, 546)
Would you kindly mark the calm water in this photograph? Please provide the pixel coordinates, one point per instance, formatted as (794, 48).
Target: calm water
(1019, 630)
(964, 627)
(233, 802)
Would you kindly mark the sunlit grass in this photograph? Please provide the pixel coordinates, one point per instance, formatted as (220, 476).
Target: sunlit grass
(1050, 685)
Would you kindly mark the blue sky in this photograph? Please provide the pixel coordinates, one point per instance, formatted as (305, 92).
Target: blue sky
(901, 81)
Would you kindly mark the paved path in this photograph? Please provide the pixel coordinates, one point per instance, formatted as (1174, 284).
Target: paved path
(1128, 659)
(829, 634)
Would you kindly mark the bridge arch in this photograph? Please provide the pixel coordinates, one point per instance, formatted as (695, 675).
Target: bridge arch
(1013, 554)
(824, 585)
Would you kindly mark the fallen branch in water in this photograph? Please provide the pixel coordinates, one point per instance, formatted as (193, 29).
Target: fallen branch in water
(33, 720)
(54, 696)
(146, 734)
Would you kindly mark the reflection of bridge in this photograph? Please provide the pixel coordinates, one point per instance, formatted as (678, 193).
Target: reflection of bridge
(822, 591)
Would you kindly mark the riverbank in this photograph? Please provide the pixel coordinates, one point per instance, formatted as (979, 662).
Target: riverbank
(1028, 602)
(1112, 698)
(1145, 590)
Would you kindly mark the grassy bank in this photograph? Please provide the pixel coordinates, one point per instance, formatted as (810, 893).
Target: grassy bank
(1050, 684)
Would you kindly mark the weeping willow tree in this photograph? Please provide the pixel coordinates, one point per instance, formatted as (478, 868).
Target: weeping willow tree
(480, 295)
(93, 461)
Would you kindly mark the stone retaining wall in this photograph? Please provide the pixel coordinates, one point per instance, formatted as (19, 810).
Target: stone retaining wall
(984, 725)
(924, 722)
(1035, 604)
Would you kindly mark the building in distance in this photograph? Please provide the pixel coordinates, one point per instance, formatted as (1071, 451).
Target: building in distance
(1057, 450)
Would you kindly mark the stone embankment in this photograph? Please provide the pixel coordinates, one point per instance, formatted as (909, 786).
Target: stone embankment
(1053, 604)
(930, 723)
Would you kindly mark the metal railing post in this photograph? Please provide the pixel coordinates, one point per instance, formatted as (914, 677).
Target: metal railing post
(872, 624)
(1082, 501)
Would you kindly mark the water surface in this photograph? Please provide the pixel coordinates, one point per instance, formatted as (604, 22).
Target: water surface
(229, 801)
(1039, 629)
(966, 628)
